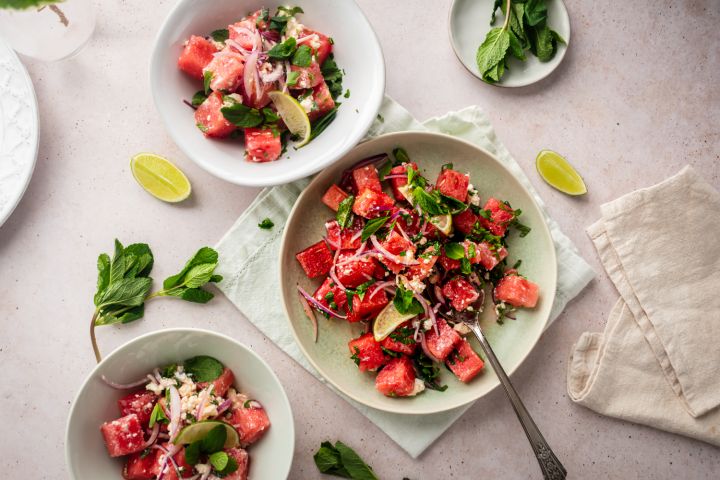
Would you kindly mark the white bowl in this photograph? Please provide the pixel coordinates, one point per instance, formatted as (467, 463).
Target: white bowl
(357, 51)
(95, 403)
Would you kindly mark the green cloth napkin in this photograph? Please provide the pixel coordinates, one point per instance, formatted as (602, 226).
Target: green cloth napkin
(249, 262)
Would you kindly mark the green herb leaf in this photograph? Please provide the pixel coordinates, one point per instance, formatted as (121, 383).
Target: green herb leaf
(454, 250)
(535, 12)
(292, 78)
(203, 369)
(219, 460)
(342, 461)
(241, 115)
(333, 77)
(454, 206)
(384, 170)
(207, 78)
(214, 441)
(198, 98)
(158, 416)
(465, 266)
(373, 226)
(220, 35)
(284, 50)
(406, 303)
(290, 11)
(400, 155)
(205, 255)
(270, 115)
(344, 214)
(428, 372)
(192, 453)
(278, 23)
(321, 124)
(231, 466)
(266, 224)
(327, 459)
(429, 202)
(490, 56)
(516, 47)
(302, 57)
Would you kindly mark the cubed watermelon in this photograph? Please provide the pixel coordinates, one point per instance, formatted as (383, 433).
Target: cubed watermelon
(308, 77)
(427, 260)
(123, 436)
(464, 362)
(244, 32)
(367, 353)
(464, 221)
(316, 260)
(372, 302)
(517, 291)
(396, 244)
(488, 257)
(460, 293)
(397, 378)
(366, 177)
(185, 469)
(318, 43)
(401, 340)
(209, 118)
(334, 196)
(226, 71)
(262, 145)
(453, 184)
(323, 101)
(331, 295)
(222, 383)
(242, 459)
(351, 271)
(140, 403)
(141, 466)
(196, 54)
(448, 263)
(371, 204)
(251, 423)
(500, 216)
(396, 183)
(344, 238)
(442, 343)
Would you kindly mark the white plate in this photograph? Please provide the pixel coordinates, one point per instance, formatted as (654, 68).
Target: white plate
(469, 23)
(18, 131)
(95, 403)
(357, 51)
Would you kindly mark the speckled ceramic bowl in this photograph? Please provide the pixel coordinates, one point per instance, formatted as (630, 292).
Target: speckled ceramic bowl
(512, 341)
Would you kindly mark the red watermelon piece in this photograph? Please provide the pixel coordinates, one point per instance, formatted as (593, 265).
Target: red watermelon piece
(226, 70)
(251, 424)
(371, 204)
(372, 302)
(464, 221)
(366, 177)
(339, 297)
(442, 343)
(334, 196)
(500, 216)
(140, 403)
(366, 353)
(460, 293)
(453, 184)
(308, 77)
(242, 458)
(517, 291)
(123, 436)
(464, 362)
(262, 145)
(143, 467)
(396, 183)
(318, 43)
(397, 378)
(352, 272)
(196, 54)
(344, 238)
(316, 260)
(210, 120)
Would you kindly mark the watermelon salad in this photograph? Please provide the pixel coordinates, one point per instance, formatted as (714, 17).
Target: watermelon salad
(237, 67)
(185, 421)
(409, 262)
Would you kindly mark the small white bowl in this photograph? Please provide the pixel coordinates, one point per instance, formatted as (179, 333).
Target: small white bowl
(357, 52)
(95, 403)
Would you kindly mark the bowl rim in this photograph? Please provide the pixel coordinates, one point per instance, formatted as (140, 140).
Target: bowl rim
(450, 406)
(157, 333)
(298, 170)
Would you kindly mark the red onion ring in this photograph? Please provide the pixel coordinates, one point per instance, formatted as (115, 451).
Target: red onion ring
(391, 256)
(174, 411)
(153, 436)
(378, 287)
(311, 316)
(319, 305)
(388, 177)
(203, 400)
(426, 351)
(125, 386)
(428, 311)
(226, 404)
(439, 295)
(249, 73)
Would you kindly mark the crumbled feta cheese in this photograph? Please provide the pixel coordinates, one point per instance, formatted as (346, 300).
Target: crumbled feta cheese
(202, 468)
(416, 285)
(418, 387)
(500, 306)
(157, 388)
(307, 103)
(293, 28)
(423, 241)
(427, 324)
(230, 100)
(462, 328)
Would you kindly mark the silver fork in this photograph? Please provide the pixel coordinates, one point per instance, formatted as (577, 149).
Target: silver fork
(551, 467)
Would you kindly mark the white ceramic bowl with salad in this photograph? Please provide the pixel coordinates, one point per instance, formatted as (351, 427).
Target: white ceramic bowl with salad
(88, 449)
(222, 44)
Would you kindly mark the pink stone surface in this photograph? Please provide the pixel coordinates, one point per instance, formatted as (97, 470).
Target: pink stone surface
(636, 99)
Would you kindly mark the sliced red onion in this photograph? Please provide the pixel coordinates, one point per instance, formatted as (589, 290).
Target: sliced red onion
(436, 308)
(156, 372)
(204, 395)
(273, 75)
(311, 316)
(361, 248)
(380, 286)
(319, 305)
(402, 232)
(174, 411)
(356, 236)
(416, 334)
(439, 295)
(226, 404)
(428, 311)
(254, 404)
(237, 46)
(258, 87)
(334, 278)
(153, 436)
(426, 351)
(271, 35)
(391, 256)
(125, 386)
(388, 177)
(250, 72)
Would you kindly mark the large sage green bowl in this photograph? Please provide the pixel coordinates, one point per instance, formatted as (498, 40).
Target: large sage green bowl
(511, 341)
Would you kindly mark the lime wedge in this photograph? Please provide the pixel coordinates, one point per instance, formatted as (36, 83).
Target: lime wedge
(293, 114)
(160, 177)
(557, 172)
(198, 431)
(388, 320)
(443, 223)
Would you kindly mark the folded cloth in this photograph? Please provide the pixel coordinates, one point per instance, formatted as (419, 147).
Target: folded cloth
(249, 263)
(657, 361)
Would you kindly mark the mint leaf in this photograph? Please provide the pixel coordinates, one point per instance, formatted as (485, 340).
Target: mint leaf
(292, 79)
(266, 224)
(203, 369)
(333, 76)
(543, 43)
(231, 466)
(157, 416)
(219, 460)
(205, 255)
(241, 115)
(344, 214)
(429, 202)
(490, 56)
(535, 12)
(284, 50)
(465, 266)
(290, 11)
(195, 295)
(327, 459)
(214, 441)
(454, 251)
(384, 170)
(400, 155)
(353, 464)
(220, 35)
(405, 302)
(207, 78)
(198, 98)
(192, 453)
(373, 226)
(302, 56)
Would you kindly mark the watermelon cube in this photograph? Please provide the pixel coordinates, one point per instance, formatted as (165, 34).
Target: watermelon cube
(397, 378)
(334, 196)
(366, 177)
(460, 293)
(243, 461)
(487, 257)
(372, 302)
(500, 216)
(316, 260)
(464, 362)
(143, 467)
(352, 272)
(401, 340)
(222, 383)
(337, 301)
(448, 263)
(371, 204)
(251, 423)
(323, 101)
(367, 353)
(308, 77)
(427, 260)
(517, 291)
(318, 43)
(344, 238)
(465, 221)
(453, 184)
(398, 245)
(196, 54)
(185, 468)
(245, 33)
(140, 403)
(226, 70)
(262, 145)
(210, 120)
(396, 183)
(442, 343)
(123, 436)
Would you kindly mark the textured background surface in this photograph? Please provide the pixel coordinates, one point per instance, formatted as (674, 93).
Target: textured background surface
(635, 99)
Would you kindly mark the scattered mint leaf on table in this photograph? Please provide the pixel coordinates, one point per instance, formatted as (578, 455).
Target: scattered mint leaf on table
(342, 461)
(266, 224)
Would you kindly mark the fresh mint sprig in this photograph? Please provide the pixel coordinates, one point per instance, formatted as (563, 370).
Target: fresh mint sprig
(342, 461)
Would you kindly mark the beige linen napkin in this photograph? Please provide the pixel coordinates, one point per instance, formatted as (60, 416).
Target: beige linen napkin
(658, 361)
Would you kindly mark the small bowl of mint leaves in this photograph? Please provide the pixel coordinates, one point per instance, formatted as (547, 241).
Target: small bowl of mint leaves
(509, 43)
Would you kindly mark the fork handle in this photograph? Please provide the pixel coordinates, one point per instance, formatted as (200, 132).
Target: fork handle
(551, 467)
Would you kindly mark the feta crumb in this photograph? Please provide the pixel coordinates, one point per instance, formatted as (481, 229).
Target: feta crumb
(473, 197)
(418, 387)
(427, 324)
(202, 468)
(462, 328)
(416, 285)
(423, 241)
(307, 103)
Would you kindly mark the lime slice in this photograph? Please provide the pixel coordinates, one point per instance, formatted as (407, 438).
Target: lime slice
(443, 223)
(557, 172)
(388, 320)
(160, 177)
(293, 114)
(198, 431)
(405, 191)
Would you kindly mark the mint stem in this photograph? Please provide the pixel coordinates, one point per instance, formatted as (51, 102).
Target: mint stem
(93, 340)
(507, 15)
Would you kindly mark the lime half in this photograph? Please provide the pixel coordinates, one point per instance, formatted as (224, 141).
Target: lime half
(557, 172)
(388, 320)
(293, 114)
(443, 223)
(160, 177)
(198, 431)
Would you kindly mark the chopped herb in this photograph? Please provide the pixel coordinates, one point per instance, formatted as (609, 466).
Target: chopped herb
(454, 250)
(344, 214)
(284, 50)
(373, 226)
(302, 57)
(391, 353)
(406, 303)
(429, 202)
(356, 356)
(360, 291)
(347, 93)
(403, 335)
(400, 155)
(207, 78)
(384, 170)
(517, 265)
(266, 224)
(428, 372)
(292, 78)
(198, 98)
(291, 12)
(157, 416)
(380, 118)
(486, 214)
(465, 266)
(333, 77)
(220, 35)
(447, 166)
